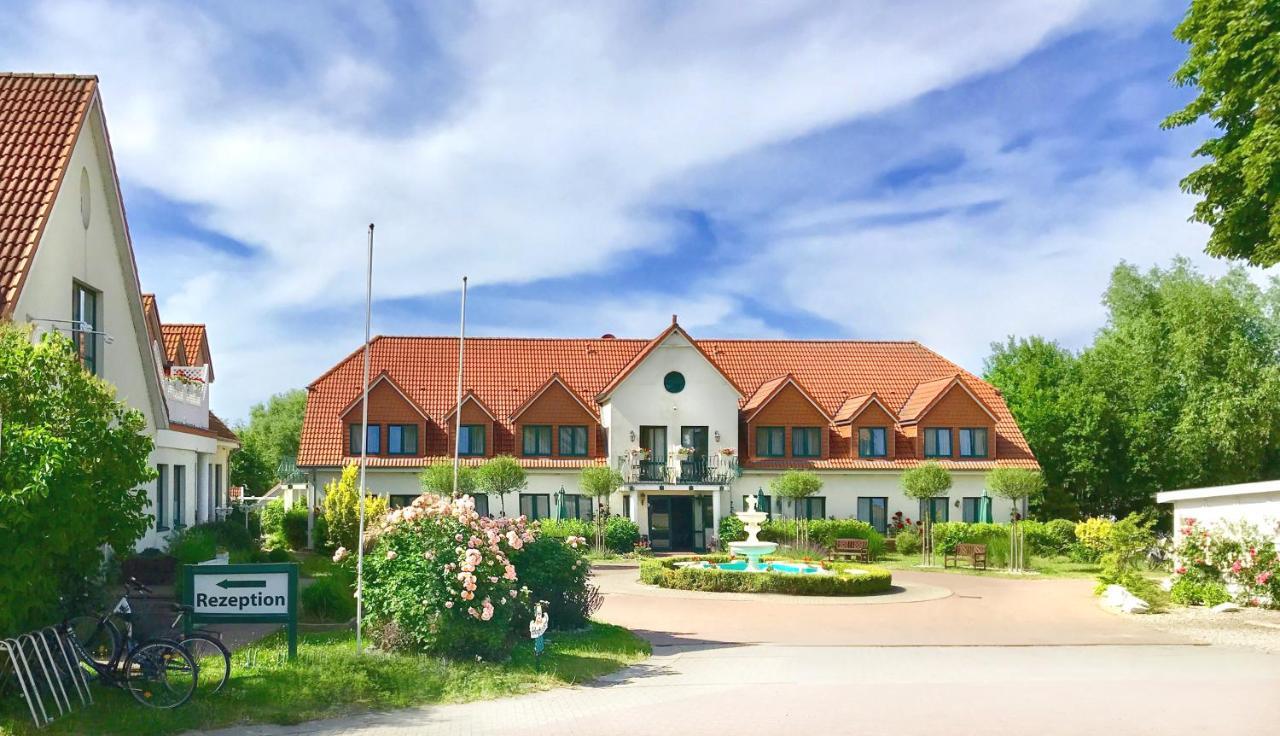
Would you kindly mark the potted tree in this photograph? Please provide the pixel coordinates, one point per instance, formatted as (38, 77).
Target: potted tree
(925, 482)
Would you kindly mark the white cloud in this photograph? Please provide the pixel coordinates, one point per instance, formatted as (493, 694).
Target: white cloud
(528, 147)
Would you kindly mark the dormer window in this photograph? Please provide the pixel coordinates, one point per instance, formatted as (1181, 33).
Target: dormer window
(973, 442)
(771, 442)
(937, 442)
(573, 441)
(374, 439)
(537, 440)
(806, 442)
(873, 442)
(471, 440)
(402, 439)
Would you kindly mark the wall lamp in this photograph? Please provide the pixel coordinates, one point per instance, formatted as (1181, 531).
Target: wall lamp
(717, 436)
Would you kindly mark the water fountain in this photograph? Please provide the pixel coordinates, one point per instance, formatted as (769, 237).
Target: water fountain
(752, 549)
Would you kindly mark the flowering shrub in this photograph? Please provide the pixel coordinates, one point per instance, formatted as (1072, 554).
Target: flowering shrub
(1238, 554)
(439, 578)
(1094, 538)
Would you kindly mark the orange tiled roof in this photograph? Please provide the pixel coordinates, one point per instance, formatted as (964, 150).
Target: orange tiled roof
(220, 429)
(769, 389)
(927, 394)
(503, 372)
(194, 341)
(854, 405)
(40, 118)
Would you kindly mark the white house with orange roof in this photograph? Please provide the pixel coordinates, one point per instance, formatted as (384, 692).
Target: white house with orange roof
(693, 425)
(67, 265)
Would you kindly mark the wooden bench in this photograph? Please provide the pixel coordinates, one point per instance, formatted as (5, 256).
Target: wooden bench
(856, 549)
(977, 554)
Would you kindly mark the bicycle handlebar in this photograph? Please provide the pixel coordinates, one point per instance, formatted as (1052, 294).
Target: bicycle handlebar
(134, 583)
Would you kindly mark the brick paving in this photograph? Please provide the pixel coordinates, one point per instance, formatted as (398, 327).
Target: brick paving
(1037, 655)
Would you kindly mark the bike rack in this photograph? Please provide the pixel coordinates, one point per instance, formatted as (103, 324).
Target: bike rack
(42, 670)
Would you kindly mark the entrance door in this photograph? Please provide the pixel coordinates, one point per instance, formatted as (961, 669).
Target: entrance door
(671, 523)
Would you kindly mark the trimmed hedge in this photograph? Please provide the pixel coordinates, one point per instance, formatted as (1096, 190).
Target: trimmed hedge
(664, 573)
(823, 532)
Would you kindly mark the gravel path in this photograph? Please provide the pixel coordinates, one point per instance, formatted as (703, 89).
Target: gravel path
(1251, 627)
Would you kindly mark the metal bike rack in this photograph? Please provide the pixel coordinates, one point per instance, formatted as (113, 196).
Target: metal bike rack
(43, 661)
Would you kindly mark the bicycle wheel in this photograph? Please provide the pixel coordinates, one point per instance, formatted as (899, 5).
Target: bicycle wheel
(160, 674)
(212, 658)
(99, 643)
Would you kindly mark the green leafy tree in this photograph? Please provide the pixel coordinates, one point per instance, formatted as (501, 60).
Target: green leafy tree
(1181, 388)
(923, 482)
(499, 476)
(599, 482)
(1233, 60)
(342, 508)
(437, 478)
(1018, 485)
(73, 461)
(272, 435)
(795, 486)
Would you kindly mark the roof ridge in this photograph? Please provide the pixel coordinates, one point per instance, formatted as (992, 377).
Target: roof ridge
(48, 75)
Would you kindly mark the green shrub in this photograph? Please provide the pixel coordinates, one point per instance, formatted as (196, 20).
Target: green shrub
(557, 573)
(561, 528)
(825, 532)
(342, 509)
(245, 556)
(1127, 544)
(193, 545)
(1192, 590)
(947, 534)
(229, 535)
(320, 535)
(272, 516)
(731, 530)
(1049, 538)
(665, 574)
(425, 592)
(295, 528)
(907, 540)
(1094, 534)
(621, 534)
(330, 597)
(279, 554)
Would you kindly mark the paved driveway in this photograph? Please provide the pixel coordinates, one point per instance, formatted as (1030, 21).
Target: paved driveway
(946, 654)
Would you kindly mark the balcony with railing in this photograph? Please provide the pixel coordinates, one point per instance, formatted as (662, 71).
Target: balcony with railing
(676, 470)
(186, 392)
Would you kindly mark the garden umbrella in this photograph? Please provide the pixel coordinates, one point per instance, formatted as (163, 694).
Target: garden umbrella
(563, 509)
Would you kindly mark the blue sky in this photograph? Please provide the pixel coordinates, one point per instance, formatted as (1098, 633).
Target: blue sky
(946, 172)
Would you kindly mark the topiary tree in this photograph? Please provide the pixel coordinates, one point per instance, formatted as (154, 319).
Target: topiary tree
(923, 482)
(73, 465)
(437, 479)
(796, 485)
(599, 482)
(342, 508)
(498, 477)
(1017, 485)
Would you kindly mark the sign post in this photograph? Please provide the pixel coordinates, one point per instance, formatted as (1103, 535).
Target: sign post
(243, 594)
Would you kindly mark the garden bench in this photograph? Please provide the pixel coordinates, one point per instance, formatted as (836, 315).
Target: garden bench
(977, 554)
(857, 549)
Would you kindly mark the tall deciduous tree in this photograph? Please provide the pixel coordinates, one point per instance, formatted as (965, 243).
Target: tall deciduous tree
(272, 434)
(1233, 60)
(1181, 388)
(73, 461)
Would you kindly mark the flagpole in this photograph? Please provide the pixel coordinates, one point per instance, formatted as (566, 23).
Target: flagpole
(457, 411)
(364, 445)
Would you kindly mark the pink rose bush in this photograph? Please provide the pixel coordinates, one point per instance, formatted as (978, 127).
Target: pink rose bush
(440, 579)
(1239, 557)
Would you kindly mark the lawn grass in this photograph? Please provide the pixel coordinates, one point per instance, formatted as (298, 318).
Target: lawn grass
(328, 679)
(1045, 567)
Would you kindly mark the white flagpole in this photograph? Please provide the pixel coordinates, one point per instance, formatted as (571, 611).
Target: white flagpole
(364, 446)
(457, 416)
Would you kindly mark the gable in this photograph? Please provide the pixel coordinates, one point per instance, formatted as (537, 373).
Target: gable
(873, 415)
(789, 407)
(672, 338)
(387, 404)
(956, 407)
(554, 404)
(98, 256)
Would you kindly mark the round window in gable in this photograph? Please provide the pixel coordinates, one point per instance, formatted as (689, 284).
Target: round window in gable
(674, 382)
(84, 198)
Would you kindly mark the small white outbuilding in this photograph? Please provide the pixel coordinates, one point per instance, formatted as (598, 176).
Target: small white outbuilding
(1256, 503)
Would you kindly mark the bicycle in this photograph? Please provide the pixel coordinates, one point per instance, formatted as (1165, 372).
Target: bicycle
(158, 673)
(213, 659)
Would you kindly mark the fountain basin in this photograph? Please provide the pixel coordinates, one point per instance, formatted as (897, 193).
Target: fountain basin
(753, 550)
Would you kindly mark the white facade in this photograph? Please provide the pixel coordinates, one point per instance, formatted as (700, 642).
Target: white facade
(1255, 503)
(642, 399)
(85, 243)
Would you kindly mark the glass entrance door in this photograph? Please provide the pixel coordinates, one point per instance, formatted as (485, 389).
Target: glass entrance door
(671, 523)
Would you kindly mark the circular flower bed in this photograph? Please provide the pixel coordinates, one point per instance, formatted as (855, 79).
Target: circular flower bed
(666, 573)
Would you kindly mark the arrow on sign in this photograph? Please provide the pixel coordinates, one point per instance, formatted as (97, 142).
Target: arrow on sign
(242, 584)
